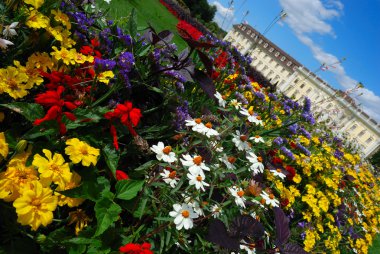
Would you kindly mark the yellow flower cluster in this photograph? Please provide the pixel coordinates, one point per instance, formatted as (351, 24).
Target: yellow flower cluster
(28, 187)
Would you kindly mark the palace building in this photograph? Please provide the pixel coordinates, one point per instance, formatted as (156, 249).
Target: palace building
(335, 107)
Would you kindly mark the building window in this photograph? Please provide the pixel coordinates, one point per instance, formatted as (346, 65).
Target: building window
(260, 41)
(309, 90)
(342, 117)
(271, 61)
(282, 70)
(243, 28)
(277, 54)
(296, 81)
(252, 35)
(353, 127)
(271, 50)
(265, 45)
(283, 58)
(329, 106)
(294, 68)
(277, 64)
(289, 63)
(249, 32)
(302, 85)
(369, 140)
(361, 133)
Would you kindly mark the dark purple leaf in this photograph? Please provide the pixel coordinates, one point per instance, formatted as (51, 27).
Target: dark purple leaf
(166, 36)
(218, 234)
(282, 226)
(292, 248)
(206, 62)
(246, 226)
(206, 83)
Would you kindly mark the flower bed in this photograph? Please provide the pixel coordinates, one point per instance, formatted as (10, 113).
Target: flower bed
(112, 141)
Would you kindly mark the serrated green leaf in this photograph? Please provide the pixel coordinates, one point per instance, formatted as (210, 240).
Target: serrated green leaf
(106, 212)
(31, 111)
(111, 158)
(128, 189)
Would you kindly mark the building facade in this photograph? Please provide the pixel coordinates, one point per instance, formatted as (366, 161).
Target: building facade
(335, 107)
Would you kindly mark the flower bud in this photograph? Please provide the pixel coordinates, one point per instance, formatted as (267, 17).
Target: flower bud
(21, 146)
(41, 238)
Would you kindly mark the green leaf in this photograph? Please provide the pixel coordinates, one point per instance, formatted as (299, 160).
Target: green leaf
(132, 23)
(31, 111)
(146, 165)
(112, 158)
(128, 189)
(83, 240)
(106, 212)
(91, 188)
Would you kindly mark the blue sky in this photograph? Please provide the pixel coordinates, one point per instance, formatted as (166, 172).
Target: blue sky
(321, 31)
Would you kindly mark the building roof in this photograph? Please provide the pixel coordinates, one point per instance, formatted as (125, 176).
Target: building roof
(249, 30)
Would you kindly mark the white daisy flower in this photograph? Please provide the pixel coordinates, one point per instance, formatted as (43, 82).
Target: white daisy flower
(216, 211)
(270, 199)
(249, 113)
(9, 31)
(4, 43)
(183, 216)
(235, 103)
(257, 139)
(163, 152)
(170, 177)
(228, 161)
(195, 124)
(238, 194)
(221, 101)
(256, 163)
(240, 141)
(197, 180)
(209, 131)
(195, 164)
(278, 173)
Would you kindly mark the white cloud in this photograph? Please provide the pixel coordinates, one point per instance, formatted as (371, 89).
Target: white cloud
(224, 16)
(306, 17)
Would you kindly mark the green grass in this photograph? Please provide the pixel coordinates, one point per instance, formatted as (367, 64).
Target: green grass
(148, 11)
(375, 248)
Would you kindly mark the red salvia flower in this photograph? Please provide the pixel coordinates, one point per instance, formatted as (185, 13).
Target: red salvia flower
(53, 100)
(121, 175)
(128, 115)
(134, 248)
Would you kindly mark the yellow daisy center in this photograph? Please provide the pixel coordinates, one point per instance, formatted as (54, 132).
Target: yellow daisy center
(167, 149)
(185, 213)
(197, 160)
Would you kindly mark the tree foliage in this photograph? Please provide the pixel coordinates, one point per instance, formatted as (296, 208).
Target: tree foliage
(201, 9)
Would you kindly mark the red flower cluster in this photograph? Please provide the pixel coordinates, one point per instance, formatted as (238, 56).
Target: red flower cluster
(134, 248)
(186, 30)
(53, 100)
(129, 116)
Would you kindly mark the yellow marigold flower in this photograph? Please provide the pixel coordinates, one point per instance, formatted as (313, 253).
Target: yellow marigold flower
(297, 178)
(37, 20)
(15, 178)
(34, 76)
(35, 206)
(73, 183)
(52, 168)
(62, 18)
(80, 151)
(56, 32)
(67, 41)
(41, 61)
(35, 3)
(315, 140)
(309, 241)
(13, 82)
(67, 56)
(4, 150)
(80, 58)
(105, 77)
